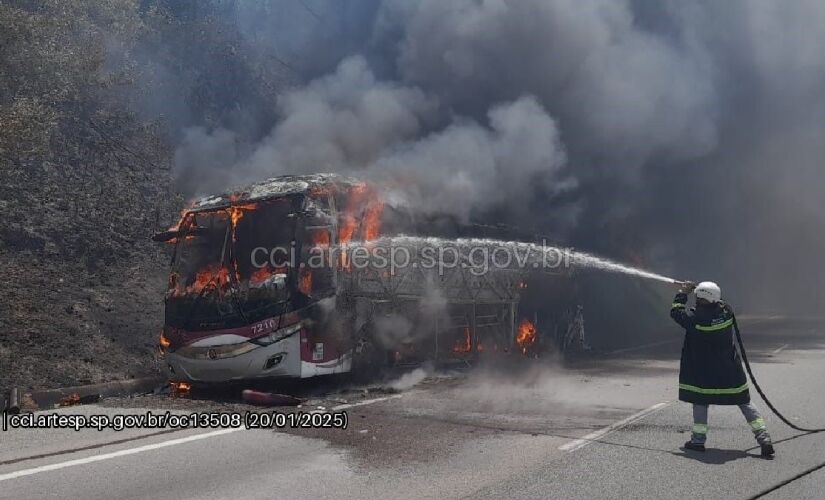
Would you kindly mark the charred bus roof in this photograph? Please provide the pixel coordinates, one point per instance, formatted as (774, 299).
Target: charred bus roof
(273, 187)
(269, 189)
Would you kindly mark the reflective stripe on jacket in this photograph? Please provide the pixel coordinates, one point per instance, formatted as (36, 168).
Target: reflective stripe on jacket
(710, 370)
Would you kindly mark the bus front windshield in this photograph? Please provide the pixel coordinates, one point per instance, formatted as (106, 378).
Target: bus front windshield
(222, 274)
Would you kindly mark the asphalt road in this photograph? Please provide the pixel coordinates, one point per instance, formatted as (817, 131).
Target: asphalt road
(601, 429)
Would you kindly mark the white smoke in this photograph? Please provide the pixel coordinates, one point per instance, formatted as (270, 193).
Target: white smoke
(392, 330)
(410, 379)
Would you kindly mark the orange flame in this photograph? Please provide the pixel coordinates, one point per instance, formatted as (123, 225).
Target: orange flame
(213, 273)
(372, 219)
(363, 210)
(260, 276)
(527, 335)
(464, 344)
(365, 205)
(320, 238)
(236, 213)
(163, 342)
(180, 388)
(349, 222)
(176, 226)
(188, 237)
(184, 211)
(305, 283)
(347, 229)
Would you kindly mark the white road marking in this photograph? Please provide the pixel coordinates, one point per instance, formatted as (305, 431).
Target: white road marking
(593, 436)
(359, 403)
(163, 444)
(777, 351)
(115, 454)
(365, 402)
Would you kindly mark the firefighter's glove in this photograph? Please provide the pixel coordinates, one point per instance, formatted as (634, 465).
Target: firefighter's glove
(687, 286)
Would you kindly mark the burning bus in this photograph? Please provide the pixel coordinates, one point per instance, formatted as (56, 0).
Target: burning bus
(245, 299)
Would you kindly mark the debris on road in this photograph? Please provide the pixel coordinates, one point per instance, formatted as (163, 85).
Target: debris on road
(70, 400)
(269, 398)
(77, 399)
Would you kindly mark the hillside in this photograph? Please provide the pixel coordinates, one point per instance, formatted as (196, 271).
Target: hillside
(86, 179)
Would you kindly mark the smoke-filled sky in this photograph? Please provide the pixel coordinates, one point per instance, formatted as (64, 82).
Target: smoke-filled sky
(687, 135)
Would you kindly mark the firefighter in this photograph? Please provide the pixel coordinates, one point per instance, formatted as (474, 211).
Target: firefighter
(710, 372)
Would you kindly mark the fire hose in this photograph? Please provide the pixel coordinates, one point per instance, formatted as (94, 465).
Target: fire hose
(759, 389)
(776, 412)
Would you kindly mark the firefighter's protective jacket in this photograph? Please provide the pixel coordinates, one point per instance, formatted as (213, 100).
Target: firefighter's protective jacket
(710, 371)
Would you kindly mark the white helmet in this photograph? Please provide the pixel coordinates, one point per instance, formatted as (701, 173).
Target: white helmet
(709, 291)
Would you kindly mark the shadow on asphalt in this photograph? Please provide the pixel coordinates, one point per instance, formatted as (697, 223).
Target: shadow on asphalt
(715, 456)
